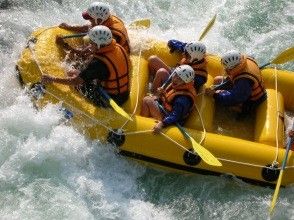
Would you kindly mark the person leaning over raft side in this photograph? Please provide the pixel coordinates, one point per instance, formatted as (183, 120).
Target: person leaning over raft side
(194, 54)
(108, 63)
(245, 87)
(98, 13)
(177, 99)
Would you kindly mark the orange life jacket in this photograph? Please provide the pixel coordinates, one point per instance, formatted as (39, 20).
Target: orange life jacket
(119, 31)
(117, 61)
(199, 68)
(249, 69)
(172, 91)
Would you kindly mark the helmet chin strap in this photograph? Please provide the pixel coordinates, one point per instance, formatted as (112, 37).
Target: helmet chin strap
(96, 21)
(193, 59)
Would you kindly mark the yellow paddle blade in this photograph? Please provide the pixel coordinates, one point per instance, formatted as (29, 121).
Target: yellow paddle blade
(285, 56)
(142, 23)
(208, 27)
(276, 193)
(206, 156)
(119, 110)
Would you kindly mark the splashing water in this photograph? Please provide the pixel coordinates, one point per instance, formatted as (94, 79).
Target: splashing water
(48, 170)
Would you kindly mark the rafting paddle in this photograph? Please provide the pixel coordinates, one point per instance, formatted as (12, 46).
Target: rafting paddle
(142, 23)
(206, 156)
(208, 27)
(278, 185)
(202, 35)
(139, 23)
(284, 57)
(200, 150)
(113, 104)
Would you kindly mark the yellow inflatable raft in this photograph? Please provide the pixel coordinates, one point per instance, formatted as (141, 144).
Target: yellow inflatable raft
(252, 150)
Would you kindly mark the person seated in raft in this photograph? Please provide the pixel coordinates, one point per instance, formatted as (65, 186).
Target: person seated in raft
(243, 88)
(177, 99)
(194, 54)
(108, 63)
(98, 13)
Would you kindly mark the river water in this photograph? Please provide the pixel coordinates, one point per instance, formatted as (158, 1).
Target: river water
(49, 170)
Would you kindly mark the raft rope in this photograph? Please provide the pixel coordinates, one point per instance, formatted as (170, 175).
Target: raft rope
(137, 101)
(147, 131)
(275, 162)
(222, 159)
(92, 118)
(201, 119)
(251, 164)
(59, 99)
(142, 131)
(138, 86)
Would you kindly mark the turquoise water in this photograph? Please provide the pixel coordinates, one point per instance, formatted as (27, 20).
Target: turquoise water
(48, 170)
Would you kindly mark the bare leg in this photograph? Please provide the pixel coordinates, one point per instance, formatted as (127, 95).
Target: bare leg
(155, 63)
(160, 77)
(150, 108)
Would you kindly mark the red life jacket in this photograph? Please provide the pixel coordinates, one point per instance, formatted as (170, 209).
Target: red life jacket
(118, 63)
(119, 31)
(249, 69)
(172, 91)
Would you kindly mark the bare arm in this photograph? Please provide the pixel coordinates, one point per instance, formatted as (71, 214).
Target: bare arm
(76, 28)
(83, 51)
(76, 80)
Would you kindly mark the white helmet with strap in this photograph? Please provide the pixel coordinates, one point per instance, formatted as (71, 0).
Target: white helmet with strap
(185, 72)
(231, 59)
(101, 35)
(99, 10)
(196, 50)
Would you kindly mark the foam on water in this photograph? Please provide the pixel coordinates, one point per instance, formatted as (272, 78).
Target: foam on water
(48, 170)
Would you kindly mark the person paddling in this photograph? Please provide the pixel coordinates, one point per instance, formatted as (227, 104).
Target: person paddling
(177, 99)
(98, 13)
(244, 86)
(194, 54)
(108, 63)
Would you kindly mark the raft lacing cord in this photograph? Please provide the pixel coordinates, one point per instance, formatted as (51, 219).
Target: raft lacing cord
(137, 132)
(164, 135)
(59, 99)
(136, 106)
(253, 165)
(201, 119)
(275, 162)
(78, 110)
(138, 87)
(144, 131)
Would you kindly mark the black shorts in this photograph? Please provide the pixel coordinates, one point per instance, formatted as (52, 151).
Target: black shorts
(90, 91)
(120, 98)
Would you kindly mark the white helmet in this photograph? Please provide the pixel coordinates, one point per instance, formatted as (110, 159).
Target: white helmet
(99, 10)
(185, 72)
(196, 50)
(231, 59)
(101, 35)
